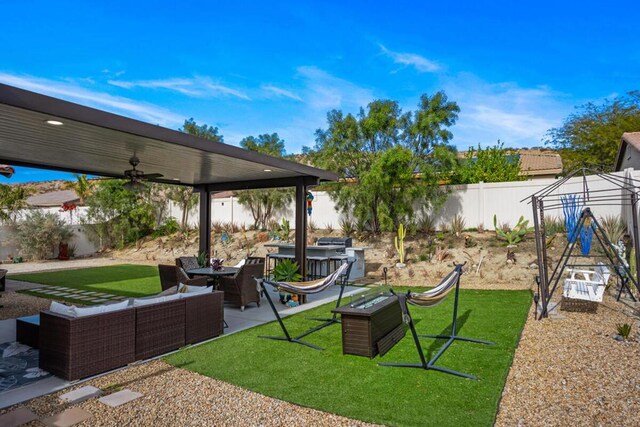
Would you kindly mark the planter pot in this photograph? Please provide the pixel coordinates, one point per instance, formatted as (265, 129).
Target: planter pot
(63, 251)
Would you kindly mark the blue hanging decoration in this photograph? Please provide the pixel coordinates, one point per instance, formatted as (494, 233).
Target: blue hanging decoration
(571, 210)
(309, 203)
(586, 236)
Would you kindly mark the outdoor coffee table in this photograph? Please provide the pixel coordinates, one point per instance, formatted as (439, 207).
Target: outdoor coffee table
(371, 325)
(28, 330)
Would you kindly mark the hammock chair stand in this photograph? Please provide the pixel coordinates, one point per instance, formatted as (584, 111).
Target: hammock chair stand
(430, 364)
(341, 274)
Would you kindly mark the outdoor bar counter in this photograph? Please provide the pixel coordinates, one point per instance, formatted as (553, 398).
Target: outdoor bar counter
(328, 251)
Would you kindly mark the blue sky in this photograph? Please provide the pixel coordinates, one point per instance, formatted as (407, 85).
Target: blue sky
(516, 69)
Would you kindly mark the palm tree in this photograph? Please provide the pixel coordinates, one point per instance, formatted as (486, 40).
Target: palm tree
(83, 187)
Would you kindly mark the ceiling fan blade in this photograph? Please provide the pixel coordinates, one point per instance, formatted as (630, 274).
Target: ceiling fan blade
(151, 175)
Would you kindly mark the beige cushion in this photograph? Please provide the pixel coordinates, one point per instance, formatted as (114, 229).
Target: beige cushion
(196, 290)
(171, 291)
(190, 289)
(139, 302)
(97, 309)
(64, 309)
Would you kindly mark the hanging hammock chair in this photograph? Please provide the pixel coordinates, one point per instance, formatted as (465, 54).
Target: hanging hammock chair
(428, 299)
(340, 275)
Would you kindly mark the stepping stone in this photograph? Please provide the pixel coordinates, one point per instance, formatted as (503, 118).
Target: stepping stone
(99, 300)
(68, 418)
(82, 298)
(17, 417)
(81, 394)
(120, 397)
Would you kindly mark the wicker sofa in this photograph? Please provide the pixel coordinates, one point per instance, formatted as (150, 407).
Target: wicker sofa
(78, 347)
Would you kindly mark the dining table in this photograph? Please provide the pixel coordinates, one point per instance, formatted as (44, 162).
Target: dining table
(214, 275)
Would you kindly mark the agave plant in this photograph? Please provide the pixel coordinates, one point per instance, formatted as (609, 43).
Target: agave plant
(613, 227)
(287, 271)
(624, 330)
(516, 234)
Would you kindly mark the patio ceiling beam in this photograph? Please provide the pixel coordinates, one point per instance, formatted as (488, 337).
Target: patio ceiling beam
(263, 183)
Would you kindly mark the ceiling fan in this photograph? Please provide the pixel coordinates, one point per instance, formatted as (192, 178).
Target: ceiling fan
(136, 176)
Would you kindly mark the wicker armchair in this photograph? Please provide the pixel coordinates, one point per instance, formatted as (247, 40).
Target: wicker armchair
(187, 262)
(241, 289)
(171, 275)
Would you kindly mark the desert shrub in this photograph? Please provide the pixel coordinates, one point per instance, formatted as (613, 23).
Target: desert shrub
(262, 237)
(40, 233)
(347, 226)
(444, 228)
(613, 227)
(169, 227)
(312, 227)
(426, 224)
(624, 330)
(457, 225)
(441, 254)
(329, 227)
(480, 228)
(553, 225)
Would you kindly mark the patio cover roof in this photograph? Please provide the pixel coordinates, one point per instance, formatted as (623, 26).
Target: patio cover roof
(96, 142)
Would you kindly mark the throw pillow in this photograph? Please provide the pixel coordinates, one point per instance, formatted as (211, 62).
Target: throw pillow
(98, 309)
(64, 309)
(139, 302)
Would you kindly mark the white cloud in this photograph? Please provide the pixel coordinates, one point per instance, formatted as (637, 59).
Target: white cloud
(420, 63)
(278, 91)
(324, 91)
(518, 116)
(74, 92)
(195, 87)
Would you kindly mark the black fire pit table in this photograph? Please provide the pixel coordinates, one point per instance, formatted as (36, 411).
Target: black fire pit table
(371, 324)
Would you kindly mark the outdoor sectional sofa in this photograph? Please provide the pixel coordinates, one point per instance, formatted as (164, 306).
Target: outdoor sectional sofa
(78, 347)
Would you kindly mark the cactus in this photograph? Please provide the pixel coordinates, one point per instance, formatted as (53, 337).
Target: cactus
(399, 242)
(516, 234)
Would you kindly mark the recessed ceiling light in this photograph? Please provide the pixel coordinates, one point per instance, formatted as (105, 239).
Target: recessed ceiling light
(267, 170)
(54, 122)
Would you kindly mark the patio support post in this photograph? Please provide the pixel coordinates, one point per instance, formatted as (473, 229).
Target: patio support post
(301, 227)
(636, 237)
(205, 221)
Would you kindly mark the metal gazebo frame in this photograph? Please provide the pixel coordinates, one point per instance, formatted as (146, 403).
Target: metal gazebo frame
(624, 192)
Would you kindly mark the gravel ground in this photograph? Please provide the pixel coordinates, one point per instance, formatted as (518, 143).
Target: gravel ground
(173, 396)
(570, 371)
(19, 305)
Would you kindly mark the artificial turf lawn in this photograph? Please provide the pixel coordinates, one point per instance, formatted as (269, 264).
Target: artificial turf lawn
(127, 280)
(357, 387)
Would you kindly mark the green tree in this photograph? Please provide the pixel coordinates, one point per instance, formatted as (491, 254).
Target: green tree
(82, 186)
(117, 215)
(591, 136)
(492, 164)
(203, 131)
(185, 199)
(389, 160)
(264, 204)
(12, 200)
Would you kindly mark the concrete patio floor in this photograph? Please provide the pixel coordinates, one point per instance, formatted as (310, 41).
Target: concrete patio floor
(236, 320)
